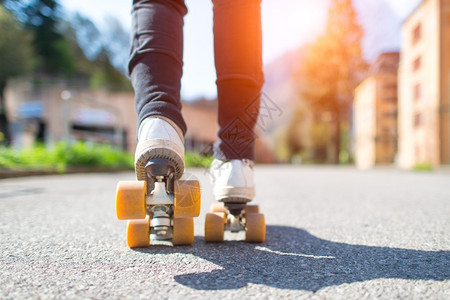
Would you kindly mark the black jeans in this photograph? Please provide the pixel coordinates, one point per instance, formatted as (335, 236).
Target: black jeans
(156, 62)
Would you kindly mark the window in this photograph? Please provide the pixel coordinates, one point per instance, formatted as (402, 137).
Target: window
(390, 114)
(417, 120)
(386, 131)
(390, 86)
(416, 64)
(417, 91)
(390, 99)
(416, 34)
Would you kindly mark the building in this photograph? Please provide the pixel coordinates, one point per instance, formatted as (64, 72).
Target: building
(202, 128)
(51, 113)
(201, 120)
(375, 114)
(424, 86)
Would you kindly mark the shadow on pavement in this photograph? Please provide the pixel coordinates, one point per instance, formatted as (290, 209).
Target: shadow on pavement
(292, 258)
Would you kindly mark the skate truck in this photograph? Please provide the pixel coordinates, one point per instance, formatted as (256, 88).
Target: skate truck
(235, 217)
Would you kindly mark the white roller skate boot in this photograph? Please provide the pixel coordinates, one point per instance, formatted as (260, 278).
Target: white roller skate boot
(159, 205)
(233, 180)
(233, 185)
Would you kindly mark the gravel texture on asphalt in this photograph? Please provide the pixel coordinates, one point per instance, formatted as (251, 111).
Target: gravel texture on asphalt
(331, 233)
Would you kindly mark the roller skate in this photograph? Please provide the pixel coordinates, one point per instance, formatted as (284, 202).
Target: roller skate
(161, 204)
(233, 188)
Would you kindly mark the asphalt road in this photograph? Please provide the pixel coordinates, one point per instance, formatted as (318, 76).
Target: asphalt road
(331, 233)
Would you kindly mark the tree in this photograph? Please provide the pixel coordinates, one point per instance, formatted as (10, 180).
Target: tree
(108, 51)
(107, 76)
(42, 18)
(117, 43)
(58, 44)
(87, 35)
(333, 68)
(15, 59)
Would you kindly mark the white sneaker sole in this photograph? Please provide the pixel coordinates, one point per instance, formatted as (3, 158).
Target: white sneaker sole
(158, 148)
(234, 194)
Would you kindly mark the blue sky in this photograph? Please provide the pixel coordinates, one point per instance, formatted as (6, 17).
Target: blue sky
(287, 24)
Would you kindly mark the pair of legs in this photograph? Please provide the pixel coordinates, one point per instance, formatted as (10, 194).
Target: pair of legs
(155, 68)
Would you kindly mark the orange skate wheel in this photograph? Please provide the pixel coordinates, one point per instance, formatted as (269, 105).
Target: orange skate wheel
(130, 200)
(187, 199)
(138, 233)
(218, 207)
(214, 227)
(183, 231)
(255, 228)
(252, 209)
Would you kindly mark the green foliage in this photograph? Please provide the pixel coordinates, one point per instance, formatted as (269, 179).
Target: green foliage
(296, 135)
(98, 80)
(82, 154)
(62, 156)
(15, 47)
(197, 160)
(60, 46)
(111, 81)
(320, 133)
(423, 167)
(333, 67)
(109, 78)
(42, 18)
(334, 64)
(64, 59)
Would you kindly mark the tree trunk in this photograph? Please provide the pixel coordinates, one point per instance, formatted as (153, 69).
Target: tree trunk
(337, 136)
(5, 138)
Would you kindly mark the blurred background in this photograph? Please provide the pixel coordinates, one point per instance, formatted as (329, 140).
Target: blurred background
(364, 82)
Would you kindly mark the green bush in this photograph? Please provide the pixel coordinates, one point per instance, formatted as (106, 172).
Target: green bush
(62, 156)
(197, 160)
(423, 167)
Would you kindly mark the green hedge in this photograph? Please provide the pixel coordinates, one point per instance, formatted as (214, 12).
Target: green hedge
(195, 160)
(61, 156)
(423, 167)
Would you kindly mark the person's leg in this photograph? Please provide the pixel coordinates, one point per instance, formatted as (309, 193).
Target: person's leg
(156, 58)
(155, 68)
(237, 49)
(238, 60)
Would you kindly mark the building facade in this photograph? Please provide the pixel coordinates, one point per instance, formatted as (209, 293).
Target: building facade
(375, 114)
(424, 84)
(53, 112)
(49, 113)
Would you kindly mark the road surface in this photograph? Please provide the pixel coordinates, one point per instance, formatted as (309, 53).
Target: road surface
(331, 233)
